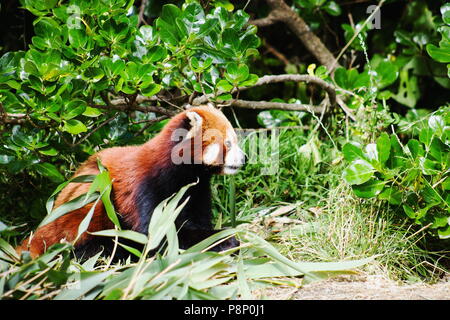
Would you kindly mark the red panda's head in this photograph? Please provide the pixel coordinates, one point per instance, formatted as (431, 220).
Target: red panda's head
(207, 138)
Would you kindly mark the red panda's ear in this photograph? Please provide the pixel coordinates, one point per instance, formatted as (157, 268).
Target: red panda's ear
(196, 122)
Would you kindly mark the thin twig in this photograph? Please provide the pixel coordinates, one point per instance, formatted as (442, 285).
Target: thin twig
(93, 131)
(141, 15)
(276, 53)
(268, 105)
(150, 122)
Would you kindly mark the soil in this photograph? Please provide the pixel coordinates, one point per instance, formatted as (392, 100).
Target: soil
(363, 288)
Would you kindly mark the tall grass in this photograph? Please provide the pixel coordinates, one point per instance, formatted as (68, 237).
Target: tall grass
(324, 221)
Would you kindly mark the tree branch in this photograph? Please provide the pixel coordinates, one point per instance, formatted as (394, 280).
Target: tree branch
(283, 13)
(11, 118)
(141, 17)
(266, 105)
(328, 87)
(271, 19)
(122, 105)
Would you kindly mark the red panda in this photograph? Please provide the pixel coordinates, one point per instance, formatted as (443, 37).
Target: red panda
(194, 145)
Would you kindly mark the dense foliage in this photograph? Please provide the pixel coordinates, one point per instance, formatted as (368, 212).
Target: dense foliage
(361, 119)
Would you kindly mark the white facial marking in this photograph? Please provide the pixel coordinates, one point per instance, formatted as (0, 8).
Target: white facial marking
(196, 124)
(211, 153)
(235, 157)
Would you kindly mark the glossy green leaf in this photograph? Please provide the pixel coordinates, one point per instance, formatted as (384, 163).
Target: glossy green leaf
(439, 150)
(383, 147)
(369, 189)
(415, 148)
(358, 172)
(332, 8)
(440, 54)
(392, 194)
(50, 171)
(352, 151)
(126, 234)
(74, 126)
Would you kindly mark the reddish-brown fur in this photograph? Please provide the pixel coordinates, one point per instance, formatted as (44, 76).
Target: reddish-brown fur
(127, 166)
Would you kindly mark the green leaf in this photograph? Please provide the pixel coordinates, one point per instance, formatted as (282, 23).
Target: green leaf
(156, 54)
(236, 74)
(440, 54)
(332, 8)
(250, 81)
(77, 38)
(352, 151)
(392, 194)
(92, 112)
(428, 166)
(224, 97)
(87, 281)
(230, 39)
(415, 148)
(74, 126)
(358, 172)
(164, 215)
(147, 35)
(151, 90)
(40, 5)
(102, 184)
(386, 73)
(426, 136)
(170, 12)
(224, 85)
(408, 92)
(383, 147)
(73, 109)
(369, 189)
(437, 124)
(444, 233)
(167, 32)
(445, 11)
(50, 171)
(351, 79)
(439, 150)
(409, 211)
(49, 151)
(67, 207)
(126, 234)
(84, 224)
(5, 159)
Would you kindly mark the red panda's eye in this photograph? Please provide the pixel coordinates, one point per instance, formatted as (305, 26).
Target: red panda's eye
(228, 144)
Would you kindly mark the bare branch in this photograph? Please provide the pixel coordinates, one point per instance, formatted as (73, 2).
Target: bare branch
(328, 87)
(271, 19)
(266, 105)
(134, 107)
(12, 118)
(141, 13)
(283, 13)
(276, 53)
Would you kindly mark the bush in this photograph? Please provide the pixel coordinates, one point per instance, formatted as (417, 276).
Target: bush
(414, 174)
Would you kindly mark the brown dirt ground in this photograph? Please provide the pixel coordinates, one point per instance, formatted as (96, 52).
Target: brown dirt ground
(363, 288)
